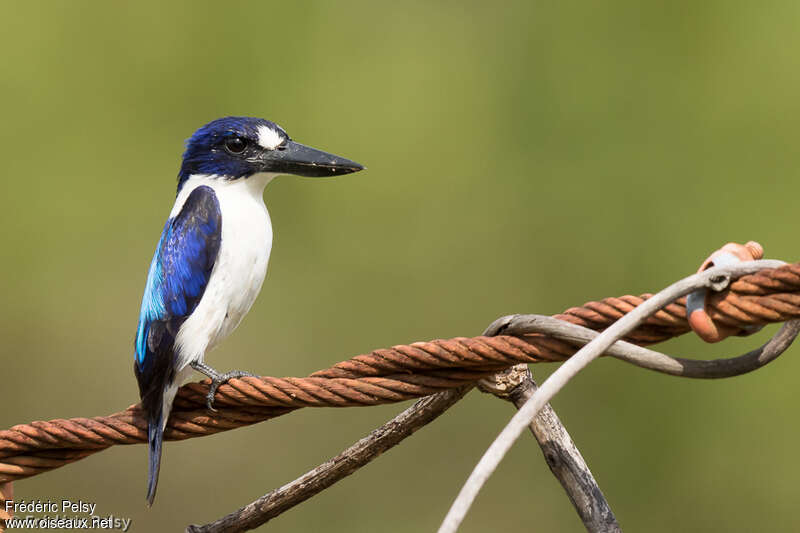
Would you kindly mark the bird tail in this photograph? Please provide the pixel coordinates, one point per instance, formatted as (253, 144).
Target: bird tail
(157, 388)
(155, 436)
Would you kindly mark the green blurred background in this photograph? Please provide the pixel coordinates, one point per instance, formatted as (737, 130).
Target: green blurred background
(525, 157)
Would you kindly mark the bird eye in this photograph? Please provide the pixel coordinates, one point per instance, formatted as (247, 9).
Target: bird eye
(236, 145)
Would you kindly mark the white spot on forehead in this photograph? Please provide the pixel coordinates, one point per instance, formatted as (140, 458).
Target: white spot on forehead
(269, 138)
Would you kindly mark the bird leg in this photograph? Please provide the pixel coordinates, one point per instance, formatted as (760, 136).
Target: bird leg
(217, 379)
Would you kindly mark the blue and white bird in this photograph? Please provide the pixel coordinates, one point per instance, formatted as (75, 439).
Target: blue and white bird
(212, 257)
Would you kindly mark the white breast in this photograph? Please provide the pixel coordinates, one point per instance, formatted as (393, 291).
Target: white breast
(240, 267)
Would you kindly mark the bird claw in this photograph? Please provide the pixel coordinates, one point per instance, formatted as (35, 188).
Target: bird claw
(220, 380)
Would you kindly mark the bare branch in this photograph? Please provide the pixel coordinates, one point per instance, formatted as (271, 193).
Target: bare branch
(715, 278)
(562, 456)
(359, 454)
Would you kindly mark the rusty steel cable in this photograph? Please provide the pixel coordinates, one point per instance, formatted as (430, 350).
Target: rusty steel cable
(386, 375)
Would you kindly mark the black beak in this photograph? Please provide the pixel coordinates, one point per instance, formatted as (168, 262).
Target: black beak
(300, 160)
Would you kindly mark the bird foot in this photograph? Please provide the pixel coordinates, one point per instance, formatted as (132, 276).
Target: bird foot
(218, 379)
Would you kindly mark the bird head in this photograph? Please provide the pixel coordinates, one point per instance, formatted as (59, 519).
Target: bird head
(239, 147)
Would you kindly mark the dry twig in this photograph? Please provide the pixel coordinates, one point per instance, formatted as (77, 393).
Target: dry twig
(320, 478)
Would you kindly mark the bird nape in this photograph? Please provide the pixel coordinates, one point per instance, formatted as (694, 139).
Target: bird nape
(212, 257)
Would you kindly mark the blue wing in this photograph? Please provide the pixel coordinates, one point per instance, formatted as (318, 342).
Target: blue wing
(178, 276)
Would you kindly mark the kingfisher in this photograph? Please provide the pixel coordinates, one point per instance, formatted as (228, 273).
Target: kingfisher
(212, 257)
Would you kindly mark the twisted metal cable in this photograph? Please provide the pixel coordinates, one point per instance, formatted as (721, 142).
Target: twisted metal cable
(384, 376)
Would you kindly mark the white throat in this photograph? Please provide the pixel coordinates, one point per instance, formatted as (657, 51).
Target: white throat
(252, 186)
